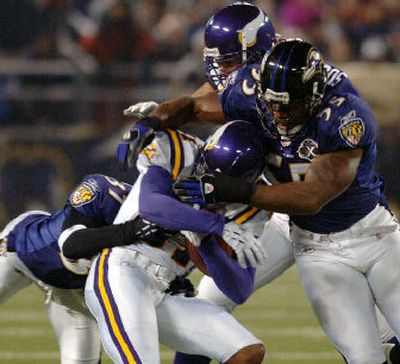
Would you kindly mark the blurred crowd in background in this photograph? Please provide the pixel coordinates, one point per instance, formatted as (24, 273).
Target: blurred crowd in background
(79, 63)
(148, 30)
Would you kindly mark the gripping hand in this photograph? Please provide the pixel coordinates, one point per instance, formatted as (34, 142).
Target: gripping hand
(148, 232)
(247, 247)
(141, 109)
(135, 140)
(211, 188)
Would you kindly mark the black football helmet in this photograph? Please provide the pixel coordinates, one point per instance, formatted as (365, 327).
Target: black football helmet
(291, 85)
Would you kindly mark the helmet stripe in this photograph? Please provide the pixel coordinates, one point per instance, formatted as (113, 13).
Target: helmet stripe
(285, 68)
(275, 73)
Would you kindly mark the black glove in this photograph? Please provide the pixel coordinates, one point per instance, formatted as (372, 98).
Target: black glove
(146, 231)
(181, 285)
(211, 188)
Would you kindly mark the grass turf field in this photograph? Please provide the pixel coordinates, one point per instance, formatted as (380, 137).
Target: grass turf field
(278, 314)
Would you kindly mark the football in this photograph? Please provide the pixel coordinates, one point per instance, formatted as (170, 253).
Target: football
(196, 258)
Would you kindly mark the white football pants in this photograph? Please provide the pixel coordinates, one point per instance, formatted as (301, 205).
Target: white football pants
(75, 328)
(280, 258)
(344, 274)
(135, 314)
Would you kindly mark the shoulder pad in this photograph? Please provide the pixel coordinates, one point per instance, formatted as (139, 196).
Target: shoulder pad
(172, 150)
(346, 121)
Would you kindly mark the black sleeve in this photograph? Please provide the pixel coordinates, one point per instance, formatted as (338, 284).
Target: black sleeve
(86, 243)
(75, 217)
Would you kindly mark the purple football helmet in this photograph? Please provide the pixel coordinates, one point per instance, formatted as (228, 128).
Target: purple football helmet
(238, 34)
(236, 149)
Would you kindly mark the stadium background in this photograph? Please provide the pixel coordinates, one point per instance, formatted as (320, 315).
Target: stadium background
(69, 67)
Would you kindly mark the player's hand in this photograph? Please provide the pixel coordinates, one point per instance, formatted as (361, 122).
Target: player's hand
(247, 247)
(196, 190)
(149, 232)
(211, 188)
(141, 109)
(181, 286)
(194, 238)
(135, 140)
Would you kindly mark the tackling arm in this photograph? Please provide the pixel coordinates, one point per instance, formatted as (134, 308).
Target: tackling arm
(329, 175)
(201, 106)
(83, 238)
(158, 205)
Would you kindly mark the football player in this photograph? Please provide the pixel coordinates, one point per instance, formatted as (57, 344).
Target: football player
(322, 151)
(126, 286)
(31, 254)
(236, 99)
(236, 38)
(224, 45)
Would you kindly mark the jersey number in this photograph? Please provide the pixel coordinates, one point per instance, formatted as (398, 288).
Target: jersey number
(298, 171)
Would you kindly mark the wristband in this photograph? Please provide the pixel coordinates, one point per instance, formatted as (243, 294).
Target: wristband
(233, 189)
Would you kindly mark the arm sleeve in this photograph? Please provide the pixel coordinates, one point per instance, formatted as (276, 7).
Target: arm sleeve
(80, 242)
(158, 205)
(353, 125)
(235, 282)
(75, 217)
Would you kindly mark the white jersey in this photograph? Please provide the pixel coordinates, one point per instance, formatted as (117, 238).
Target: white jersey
(176, 152)
(126, 287)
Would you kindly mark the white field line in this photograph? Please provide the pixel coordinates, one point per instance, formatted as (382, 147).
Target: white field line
(286, 332)
(273, 314)
(310, 332)
(262, 312)
(26, 332)
(29, 355)
(285, 357)
(23, 315)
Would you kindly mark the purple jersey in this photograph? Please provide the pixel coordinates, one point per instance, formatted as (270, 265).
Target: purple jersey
(344, 121)
(238, 98)
(35, 238)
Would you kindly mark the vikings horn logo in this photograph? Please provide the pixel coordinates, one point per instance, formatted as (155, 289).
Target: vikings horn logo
(248, 35)
(308, 149)
(315, 64)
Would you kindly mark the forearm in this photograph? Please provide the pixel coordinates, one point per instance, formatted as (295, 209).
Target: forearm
(175, 113)
(82, 242)
(294, 198)
(202, 107)
(328, 176)
(158, 205)
(169, 213)
(234, 281)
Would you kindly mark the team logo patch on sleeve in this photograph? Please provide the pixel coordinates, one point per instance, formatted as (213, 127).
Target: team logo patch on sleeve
(150, 151)
(352, 130)
(84, 193)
